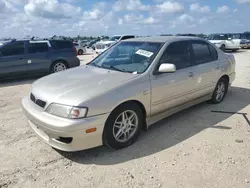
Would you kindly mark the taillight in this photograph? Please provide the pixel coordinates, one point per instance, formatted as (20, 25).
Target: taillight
(75, 49)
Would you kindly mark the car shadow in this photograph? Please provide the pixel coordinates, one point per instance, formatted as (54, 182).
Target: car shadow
(169, 132)
(237, 52)
(17, 81)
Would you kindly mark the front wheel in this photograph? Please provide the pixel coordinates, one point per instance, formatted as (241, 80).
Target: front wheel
(220, 91)
(123, 126)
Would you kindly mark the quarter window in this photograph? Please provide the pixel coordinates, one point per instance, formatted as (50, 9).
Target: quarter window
(202, 52)
(177, 53)
(214, 52)
(37, 48)
(11, 49)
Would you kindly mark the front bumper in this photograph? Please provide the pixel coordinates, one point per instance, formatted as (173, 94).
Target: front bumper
(99, 51)
(218, 45)
(55, 130)
(245, 45)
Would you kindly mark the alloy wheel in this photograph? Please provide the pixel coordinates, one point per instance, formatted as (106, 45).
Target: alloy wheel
(220, 92)
(125, 126)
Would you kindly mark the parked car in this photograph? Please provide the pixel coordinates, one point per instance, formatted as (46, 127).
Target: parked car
(93, 42)
(104, 45)
(81, 49)
(224, 42)
(26, 57)
(132, 85)
(245, 40)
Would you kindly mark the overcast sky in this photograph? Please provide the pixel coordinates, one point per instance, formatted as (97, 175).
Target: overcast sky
(141, 17)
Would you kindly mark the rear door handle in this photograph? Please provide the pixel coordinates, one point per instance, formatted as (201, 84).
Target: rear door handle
(191, 74)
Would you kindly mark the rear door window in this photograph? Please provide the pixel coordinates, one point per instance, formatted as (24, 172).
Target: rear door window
(12, 49)
(177, 53)
(202, 52)
(61, 44)
(34, 48)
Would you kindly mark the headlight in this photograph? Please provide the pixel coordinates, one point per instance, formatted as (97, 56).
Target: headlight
(71, 112)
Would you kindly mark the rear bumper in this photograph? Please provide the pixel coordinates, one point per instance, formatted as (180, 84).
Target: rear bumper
(64, 134)
(73, 62)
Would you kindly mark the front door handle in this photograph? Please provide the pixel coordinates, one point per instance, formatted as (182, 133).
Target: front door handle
(191, 74)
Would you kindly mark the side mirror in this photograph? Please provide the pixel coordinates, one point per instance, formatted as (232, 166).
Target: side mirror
(167, 68)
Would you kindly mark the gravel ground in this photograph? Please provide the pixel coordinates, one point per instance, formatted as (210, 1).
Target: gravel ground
(194, 148)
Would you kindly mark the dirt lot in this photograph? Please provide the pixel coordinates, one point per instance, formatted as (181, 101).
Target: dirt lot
(194, 148)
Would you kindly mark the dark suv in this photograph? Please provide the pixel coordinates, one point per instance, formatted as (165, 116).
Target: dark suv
(26, 57)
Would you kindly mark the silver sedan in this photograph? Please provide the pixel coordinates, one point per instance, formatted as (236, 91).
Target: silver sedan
(127, 88)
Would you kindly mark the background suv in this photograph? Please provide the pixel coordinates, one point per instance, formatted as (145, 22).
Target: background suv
(225, 42)
(25, 57)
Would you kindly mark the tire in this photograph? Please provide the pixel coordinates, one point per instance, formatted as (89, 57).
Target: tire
(80, 52)
(216, 97)
(223, 47)
(114, 126)
(58, 66)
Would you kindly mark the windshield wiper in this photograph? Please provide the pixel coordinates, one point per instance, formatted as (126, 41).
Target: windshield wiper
(111, 67)
(120, 70)
(117, 69)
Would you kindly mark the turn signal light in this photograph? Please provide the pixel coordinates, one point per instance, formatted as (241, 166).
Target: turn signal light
(91, 130)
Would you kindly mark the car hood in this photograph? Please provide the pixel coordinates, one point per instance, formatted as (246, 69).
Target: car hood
(76, 85)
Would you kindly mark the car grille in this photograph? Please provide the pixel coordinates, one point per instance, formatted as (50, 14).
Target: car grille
(38, 102)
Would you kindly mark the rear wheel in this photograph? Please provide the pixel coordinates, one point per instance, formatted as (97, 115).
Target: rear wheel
(223, 47)
(220, 91)
(59, 66)
(123, 126)
(80, 52)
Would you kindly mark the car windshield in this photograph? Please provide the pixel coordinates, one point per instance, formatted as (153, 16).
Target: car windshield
(245, 36)
(114, 38)
(132, 57)
(217, 37)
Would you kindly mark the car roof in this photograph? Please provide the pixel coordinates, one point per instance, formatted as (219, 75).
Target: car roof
(122, 35)
(162, 39)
